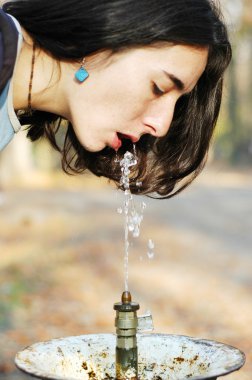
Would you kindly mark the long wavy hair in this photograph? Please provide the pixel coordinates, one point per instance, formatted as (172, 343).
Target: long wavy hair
(73, 29)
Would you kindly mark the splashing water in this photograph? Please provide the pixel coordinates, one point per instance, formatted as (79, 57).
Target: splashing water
(133, 218)
(150, 252)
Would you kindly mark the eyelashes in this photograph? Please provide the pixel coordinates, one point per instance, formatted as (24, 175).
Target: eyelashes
(156, 90)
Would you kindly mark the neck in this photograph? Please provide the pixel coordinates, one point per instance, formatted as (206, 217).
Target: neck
(47, 94)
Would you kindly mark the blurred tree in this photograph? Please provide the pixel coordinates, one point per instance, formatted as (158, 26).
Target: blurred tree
(234, 142)
(16, 160)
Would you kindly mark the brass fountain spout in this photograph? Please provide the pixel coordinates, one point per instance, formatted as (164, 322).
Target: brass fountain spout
(126, 323)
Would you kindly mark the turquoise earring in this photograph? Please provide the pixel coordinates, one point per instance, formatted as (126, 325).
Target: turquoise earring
(81, 75)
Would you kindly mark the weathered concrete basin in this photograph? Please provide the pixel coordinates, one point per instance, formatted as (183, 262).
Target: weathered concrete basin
(170, 357)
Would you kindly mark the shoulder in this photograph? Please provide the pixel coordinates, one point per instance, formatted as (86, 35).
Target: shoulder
(8, 47)
(6, 128)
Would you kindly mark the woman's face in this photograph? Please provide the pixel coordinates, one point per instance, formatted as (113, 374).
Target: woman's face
(132, 93)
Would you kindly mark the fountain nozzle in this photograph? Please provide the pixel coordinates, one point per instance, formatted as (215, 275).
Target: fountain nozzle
(126, 297)
(126, 323)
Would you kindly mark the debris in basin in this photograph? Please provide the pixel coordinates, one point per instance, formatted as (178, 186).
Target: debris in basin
(93, 371)
(130, 374)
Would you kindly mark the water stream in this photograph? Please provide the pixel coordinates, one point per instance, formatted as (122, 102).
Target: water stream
(133, 213)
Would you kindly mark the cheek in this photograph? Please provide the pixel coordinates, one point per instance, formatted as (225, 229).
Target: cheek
(131, 102)
(122, 105)
(118, 96)
(127, 88)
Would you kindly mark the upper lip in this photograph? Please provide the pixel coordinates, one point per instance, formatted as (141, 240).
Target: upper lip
(134, 139)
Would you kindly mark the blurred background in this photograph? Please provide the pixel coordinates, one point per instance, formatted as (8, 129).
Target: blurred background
(61, 239)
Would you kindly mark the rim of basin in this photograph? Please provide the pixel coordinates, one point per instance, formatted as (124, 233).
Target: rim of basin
(79, 357)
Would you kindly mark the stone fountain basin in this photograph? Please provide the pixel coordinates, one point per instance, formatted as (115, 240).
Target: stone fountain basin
(170, 357)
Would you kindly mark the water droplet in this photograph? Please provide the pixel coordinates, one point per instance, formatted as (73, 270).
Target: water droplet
(143, 205)
(131, 227)
(120, 210)
(134, 150)
(150, 255)
(151, 244)
(116, 160)
(136, 233)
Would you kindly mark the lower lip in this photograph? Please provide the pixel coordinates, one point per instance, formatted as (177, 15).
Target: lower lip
(116, 143)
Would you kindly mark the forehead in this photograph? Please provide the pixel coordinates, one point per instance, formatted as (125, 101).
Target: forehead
(181, 59)
(181, 55)
(171, 54)
(184, 62)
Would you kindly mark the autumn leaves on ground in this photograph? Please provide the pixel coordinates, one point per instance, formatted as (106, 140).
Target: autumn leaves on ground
(61, 264)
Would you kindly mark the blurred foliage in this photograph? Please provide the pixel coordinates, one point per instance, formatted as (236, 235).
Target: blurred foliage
(11, 297)
(234, 138)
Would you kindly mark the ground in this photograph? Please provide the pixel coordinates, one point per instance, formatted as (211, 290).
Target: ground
(61, 264)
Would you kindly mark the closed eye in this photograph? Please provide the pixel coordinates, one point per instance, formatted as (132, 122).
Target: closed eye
(156, 90)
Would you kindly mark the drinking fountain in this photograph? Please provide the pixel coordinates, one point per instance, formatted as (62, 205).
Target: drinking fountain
(129, 355)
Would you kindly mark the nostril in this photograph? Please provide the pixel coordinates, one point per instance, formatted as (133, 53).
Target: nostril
(150, 129)
(158, 125)
(159, 131)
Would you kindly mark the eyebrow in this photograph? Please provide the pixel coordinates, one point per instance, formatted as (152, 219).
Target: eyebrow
(176, 81)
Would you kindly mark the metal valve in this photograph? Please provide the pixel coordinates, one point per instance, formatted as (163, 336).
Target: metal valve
(126, 323)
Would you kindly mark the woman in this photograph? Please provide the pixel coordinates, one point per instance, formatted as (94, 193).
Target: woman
(114, 73)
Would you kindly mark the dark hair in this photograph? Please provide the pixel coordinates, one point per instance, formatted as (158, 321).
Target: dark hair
(76, 28)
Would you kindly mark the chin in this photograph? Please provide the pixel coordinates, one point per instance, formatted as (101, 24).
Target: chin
(93, 147)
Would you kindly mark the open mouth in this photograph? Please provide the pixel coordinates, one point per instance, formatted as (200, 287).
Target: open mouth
(119, 138)
(122, 136)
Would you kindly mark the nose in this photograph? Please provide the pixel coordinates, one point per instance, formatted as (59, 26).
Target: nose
(158, 117)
